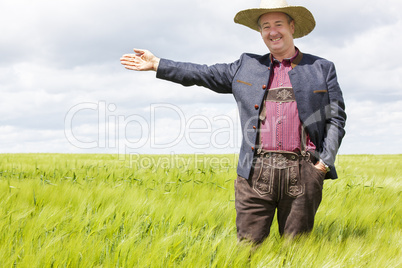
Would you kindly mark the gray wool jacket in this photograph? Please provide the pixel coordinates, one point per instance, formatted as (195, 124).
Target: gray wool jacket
(319, 98)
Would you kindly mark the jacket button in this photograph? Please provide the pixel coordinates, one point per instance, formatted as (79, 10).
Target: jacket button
(264, 86)
(256, 106)
(269, 68)
(252, 148)
(254, 127)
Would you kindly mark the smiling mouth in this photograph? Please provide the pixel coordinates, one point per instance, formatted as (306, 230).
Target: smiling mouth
(277, 39)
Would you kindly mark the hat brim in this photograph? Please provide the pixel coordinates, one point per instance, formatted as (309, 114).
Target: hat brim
(304, 20)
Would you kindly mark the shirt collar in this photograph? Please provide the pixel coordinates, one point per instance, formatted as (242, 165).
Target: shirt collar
(294, 60)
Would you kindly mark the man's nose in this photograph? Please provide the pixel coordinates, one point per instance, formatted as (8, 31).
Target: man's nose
(273, 33)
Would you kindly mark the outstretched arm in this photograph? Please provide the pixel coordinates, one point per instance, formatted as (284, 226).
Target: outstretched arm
(218, 77)
(142, 60)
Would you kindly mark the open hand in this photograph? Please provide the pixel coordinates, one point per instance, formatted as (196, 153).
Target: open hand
(142, 60)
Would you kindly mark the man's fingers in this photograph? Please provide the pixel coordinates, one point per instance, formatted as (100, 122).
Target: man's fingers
(128, 56)
(141, 61)
(132, 63)
(127, 59)
(130, 59)
(139, 52)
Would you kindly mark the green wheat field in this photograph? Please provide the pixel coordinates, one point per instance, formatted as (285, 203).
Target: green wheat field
(100, 210)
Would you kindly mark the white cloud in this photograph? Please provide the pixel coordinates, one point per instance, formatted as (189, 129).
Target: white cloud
(368, 64)
(373, 128)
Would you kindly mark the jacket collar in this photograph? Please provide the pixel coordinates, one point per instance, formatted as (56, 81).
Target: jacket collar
(297, 60)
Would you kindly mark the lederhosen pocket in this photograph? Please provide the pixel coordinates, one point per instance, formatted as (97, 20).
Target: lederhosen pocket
(293, 184)
(263, 183)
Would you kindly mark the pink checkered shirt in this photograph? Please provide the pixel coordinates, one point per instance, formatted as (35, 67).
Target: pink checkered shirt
(281, 128)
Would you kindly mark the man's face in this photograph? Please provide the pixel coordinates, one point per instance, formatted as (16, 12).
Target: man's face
(277, 33)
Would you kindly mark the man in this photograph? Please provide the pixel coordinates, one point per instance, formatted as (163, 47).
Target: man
(292, 116)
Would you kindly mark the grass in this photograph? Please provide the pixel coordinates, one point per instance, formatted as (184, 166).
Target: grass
(59, 210)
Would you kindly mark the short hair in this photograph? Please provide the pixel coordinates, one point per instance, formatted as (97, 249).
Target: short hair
(289, 18)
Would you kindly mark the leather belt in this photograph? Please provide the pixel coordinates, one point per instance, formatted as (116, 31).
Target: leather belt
(292, 156)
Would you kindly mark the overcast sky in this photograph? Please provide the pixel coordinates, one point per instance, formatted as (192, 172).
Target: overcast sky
(63, 89)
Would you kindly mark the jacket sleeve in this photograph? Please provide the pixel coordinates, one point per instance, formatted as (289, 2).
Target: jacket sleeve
(217, 77)
(335, 119)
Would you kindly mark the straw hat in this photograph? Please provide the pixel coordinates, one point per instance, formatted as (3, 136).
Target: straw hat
(304, 20)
